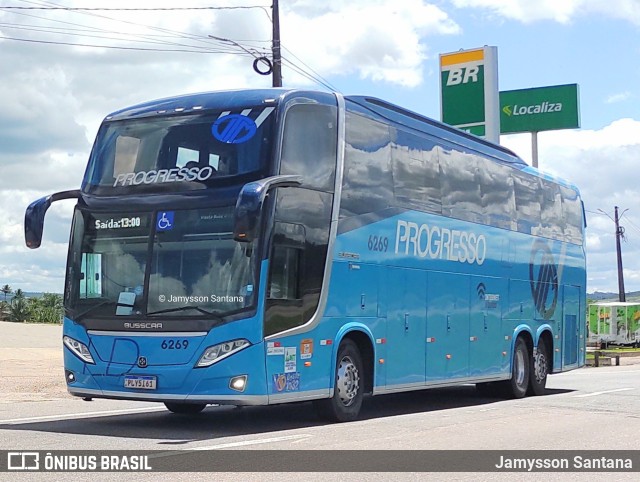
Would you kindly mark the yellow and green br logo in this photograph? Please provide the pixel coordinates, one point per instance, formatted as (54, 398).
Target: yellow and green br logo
(462, 84)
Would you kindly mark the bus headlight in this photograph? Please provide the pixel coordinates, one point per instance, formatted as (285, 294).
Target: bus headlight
(218, 352)
(79, 349)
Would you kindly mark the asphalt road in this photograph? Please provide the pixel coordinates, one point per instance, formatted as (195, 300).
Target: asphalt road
(587, 409)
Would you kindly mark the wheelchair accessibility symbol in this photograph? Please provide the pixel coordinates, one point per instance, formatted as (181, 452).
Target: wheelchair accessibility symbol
(164, 220)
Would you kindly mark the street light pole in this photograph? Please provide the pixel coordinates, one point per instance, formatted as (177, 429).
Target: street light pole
(275, 46)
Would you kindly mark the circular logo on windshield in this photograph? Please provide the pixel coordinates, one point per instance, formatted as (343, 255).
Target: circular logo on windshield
(543, 276)
(234, 129)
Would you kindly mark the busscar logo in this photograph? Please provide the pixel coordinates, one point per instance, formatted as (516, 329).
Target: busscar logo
(543, 276)
(142, 326)
(142, 362)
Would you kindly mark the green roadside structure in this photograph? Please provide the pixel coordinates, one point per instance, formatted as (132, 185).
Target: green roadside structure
(614, 323)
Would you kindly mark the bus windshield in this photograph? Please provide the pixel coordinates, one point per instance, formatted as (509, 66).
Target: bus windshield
(179, 152)
(166, 263)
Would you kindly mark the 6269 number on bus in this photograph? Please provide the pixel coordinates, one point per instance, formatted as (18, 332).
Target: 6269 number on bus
(174, 344)
(378, 243)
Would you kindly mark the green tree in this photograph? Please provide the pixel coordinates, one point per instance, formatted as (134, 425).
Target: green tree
(47, 309)
(51, 300)
(18, 294)
(6, 289)
(18, 310)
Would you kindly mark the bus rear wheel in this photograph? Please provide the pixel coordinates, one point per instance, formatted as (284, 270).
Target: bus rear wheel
(344, 405)
(540, 364)
(517, 386)
(185, 408)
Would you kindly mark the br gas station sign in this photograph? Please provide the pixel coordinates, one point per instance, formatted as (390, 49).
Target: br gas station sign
(469, 91)
(470, 100)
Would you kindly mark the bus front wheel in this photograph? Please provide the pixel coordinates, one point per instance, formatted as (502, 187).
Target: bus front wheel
(344, 405)
(185, 408)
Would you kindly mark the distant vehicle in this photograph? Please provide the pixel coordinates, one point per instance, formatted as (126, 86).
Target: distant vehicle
(614, 323)
(268, 246)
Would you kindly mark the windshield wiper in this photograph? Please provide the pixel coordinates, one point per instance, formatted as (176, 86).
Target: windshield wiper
(185, 308)
(94, 307)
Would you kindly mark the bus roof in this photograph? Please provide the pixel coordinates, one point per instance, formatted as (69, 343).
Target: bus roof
(220, 100)
(409, 118)
(233, 99)
(400, 115)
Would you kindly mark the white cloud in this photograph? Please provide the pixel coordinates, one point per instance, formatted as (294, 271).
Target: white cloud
(562, 11)
(380, 39)
(603, 163)
(619, 97)
(54, 97)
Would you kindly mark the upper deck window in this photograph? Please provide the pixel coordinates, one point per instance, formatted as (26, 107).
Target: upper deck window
(179, 152)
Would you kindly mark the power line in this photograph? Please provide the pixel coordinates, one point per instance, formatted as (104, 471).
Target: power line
(296, 68)
(318, 76)
(172, 33)
(292, 65)
(186, 35)
(134, 9)
(84, 34)
(594, 212)
(87, 10)
(633, 225)
(113, 46)
(220, 45)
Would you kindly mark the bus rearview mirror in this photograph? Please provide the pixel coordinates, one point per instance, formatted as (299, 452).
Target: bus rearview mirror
(250, 201)
(34, 216)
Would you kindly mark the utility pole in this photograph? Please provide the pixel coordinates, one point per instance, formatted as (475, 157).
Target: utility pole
(275, 46)
(619, 234)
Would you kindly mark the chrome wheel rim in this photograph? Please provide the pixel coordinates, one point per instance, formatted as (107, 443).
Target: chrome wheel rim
(540, 366)
(519, 369)
(348, 382)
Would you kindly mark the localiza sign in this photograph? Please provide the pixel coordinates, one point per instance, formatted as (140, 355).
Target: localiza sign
(539, 109)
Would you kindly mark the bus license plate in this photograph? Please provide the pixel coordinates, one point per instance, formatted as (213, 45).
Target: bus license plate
(141, 382)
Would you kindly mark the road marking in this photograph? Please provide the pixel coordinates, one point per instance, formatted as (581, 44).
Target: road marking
(228, 445)
(600, 372)
(584, 395)
(252, 442)
(71, 416)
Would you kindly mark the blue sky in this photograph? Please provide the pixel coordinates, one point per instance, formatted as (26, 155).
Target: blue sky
(594, 51)
(53, 96)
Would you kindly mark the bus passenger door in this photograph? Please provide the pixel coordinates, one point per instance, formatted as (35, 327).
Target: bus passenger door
(571, 326)
(405, 291)
(447, 339)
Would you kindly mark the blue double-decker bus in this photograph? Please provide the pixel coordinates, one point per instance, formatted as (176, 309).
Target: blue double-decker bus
(255, 247)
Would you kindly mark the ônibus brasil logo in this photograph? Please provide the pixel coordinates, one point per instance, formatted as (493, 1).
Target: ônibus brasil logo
(543, 276)
(543, 108)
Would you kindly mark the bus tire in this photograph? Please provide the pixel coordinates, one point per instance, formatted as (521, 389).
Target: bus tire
(185, 408)
(539, 370)
(344, 405)
(517, 386)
